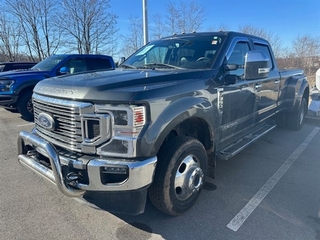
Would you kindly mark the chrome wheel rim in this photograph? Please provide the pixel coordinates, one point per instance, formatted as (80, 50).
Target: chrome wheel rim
(188, 178)
(30, 106)
(302, 113)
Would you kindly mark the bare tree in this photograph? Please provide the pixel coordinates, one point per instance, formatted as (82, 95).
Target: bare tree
(184, 16)
(88, 25)
(306, 50)
(273, 39)
(134, 40)
(181, 17)
(9, 38)
(157, 28)
(37, 22)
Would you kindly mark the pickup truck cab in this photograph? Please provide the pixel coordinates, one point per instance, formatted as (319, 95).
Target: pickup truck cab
(16, 86)
(157, 124)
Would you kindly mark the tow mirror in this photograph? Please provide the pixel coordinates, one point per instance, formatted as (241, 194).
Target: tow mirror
(256, 65)
(121, 60)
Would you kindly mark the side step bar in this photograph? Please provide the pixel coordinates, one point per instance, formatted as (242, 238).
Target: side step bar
(244, 142)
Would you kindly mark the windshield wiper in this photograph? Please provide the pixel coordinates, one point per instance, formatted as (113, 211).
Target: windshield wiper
(159, 65)
(126, 66)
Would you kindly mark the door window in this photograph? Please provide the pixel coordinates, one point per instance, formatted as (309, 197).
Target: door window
(237, 57)
(265, 49)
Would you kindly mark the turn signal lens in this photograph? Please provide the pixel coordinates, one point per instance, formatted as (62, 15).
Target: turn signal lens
(138, 116)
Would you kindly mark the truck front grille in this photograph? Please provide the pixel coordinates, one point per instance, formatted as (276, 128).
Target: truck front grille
(67, 130)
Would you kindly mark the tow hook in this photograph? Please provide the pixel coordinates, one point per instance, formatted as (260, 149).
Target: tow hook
(72, 178)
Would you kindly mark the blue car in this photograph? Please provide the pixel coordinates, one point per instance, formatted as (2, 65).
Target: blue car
(16, 87)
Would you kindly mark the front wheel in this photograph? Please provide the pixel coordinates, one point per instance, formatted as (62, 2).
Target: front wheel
(25, 106)
(180, 173)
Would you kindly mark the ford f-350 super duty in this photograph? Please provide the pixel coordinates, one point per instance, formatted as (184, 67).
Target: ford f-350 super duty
(156, 125)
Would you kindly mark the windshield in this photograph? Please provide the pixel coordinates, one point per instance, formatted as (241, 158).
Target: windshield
(178, 53)
(49, 63)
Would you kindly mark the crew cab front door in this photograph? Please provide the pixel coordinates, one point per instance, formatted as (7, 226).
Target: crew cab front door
(238, 101)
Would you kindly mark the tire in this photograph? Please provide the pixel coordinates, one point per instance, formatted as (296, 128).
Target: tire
(296, 119)
(179, 176)
(25, 106)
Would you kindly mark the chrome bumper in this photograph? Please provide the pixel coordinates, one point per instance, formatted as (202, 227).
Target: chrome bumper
(140, 172)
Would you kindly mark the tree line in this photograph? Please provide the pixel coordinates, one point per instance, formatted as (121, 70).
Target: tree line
(35, 29)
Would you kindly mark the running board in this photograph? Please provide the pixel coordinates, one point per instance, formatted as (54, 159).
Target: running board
(244, 142)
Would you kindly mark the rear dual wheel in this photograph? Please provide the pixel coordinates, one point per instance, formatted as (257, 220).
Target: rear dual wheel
(293, 120)
(180, 173)
(296, 119)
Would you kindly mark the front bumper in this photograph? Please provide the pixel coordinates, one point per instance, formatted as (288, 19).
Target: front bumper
(8, 100)
(140, 173)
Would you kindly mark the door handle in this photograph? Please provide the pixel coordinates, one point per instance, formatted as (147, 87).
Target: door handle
(277, 81)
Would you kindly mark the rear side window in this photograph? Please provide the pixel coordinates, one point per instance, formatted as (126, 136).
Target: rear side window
(266, 50)
(22, 66)
(99, 63)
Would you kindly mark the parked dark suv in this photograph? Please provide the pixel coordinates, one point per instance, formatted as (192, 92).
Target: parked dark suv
(8, 66)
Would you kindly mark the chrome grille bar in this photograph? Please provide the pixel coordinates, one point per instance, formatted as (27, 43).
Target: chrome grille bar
(66, 114)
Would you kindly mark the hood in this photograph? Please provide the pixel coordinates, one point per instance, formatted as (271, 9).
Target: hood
(115, 85)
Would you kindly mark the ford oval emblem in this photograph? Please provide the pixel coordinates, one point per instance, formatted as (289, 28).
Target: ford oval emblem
(46, 121)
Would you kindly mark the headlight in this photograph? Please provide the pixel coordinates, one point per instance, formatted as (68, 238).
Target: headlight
(127, 123)
(5, 85)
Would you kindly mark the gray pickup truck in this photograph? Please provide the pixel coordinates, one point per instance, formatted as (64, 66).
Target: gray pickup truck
(157, 124)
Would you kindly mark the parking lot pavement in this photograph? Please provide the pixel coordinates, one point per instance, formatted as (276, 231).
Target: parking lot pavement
(272, 187)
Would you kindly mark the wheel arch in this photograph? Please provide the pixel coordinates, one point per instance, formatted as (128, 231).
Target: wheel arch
(298, 88)
(196, 126)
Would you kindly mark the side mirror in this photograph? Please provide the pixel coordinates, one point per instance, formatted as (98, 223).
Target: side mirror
(121, 60)
(64, 70)
(256, 65)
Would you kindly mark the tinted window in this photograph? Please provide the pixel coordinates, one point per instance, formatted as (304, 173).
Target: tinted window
(49, 63)
(266, 50)
(238, 57)
(22, 66)
(77, 65)
(99, 63)
(182, 52)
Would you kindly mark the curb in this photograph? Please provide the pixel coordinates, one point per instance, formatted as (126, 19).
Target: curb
(312, 120)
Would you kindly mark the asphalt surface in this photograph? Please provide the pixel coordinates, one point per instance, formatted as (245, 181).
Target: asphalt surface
(268, 191)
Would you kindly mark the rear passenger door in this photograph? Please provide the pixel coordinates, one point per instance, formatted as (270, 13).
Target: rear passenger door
(267, 88)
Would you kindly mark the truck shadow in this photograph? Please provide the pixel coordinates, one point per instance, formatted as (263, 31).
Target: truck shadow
(153, 221)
